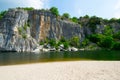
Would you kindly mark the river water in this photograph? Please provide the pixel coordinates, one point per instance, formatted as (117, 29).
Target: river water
(13, 58)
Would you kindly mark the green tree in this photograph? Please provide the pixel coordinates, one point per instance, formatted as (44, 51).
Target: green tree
(93, 21)
(26, 8)
(116, 35)
(75, 19)
(106, 42)
(108, 31)
(95, 38)
(65, 16)
(2, 13)
(85, 42)
(75, 41)
(86, 16)
(52, 42)
(116, 46)
(54, 11)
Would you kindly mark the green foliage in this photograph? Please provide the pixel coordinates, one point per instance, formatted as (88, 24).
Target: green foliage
(65, 16)
(116, 46)
(75, 19)
(108, 31)
(66, 45)
(64, 42)
(85, 42)
(24, 36)
(95, 37)
(86, 16)
(25, 26)
(20, 30)
(41, 42)
(93, 21)
(28, 23)
(52, 42)
(117, 35)
(26, 8)
(54, 11)
(106, 42)
(62, 39)
(102, 40)
(2, 14)
(75, 41)
(112, 20)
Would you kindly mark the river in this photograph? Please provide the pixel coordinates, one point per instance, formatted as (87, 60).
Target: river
(13, 58)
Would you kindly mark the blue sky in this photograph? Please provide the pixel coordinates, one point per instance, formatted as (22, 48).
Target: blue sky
(100, 8)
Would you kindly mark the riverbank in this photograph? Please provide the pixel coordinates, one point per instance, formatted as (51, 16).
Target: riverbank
(78, 70)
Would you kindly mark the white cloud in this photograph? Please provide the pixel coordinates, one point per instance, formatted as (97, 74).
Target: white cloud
(37, 4)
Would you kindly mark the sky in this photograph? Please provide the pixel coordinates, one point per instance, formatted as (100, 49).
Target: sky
(101, 8)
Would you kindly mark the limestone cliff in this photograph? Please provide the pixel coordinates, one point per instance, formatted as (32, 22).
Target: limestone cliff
(21, 30)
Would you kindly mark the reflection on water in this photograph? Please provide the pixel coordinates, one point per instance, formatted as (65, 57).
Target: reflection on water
(8, 58)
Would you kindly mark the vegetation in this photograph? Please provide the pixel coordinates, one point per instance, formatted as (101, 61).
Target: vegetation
(75, 41)
(52, 42)
(85, 42)
(75, 19)
(117, 35)
(106, 42)
(116, 46)
(20, 30)
(2, 13)
(26, 8)
(24, 36)
(25, 26)
(108, 38)
(54, 11)
(65, 16)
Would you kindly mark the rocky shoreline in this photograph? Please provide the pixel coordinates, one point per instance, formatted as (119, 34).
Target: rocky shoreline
(47, 48)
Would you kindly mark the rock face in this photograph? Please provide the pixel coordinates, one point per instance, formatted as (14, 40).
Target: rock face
(22, 30)
(13, 36)
(45, 25)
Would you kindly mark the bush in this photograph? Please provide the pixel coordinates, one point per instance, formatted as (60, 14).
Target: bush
(20, 30)
(62, 39)
(41, 43)
(116, 46)
(102, 40)
(25, 27)
(95, 37)
(117, 35)
(54, 11)
(75, 19)
(108, 31)
(85, 42)
(66, 45)
(65, 16)
(106, 42)
(26, 8)
(2, 14)
(93, 21)
(24, 36)
(52, 42)
(75, 41)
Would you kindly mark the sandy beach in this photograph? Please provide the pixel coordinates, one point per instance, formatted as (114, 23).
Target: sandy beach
(77, 70)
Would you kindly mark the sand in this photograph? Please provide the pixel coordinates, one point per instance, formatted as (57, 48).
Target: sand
(74, 70)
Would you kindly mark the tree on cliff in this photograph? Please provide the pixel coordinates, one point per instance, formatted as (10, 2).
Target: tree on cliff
(65, 16)
(54, 11)
(2, 13)
(75, 19)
